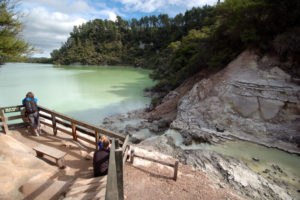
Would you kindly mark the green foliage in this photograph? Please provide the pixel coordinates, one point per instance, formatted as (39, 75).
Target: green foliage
(135, 42)
(11, 46)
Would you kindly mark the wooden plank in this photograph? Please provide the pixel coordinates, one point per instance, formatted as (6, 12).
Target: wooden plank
(45, 123)
(74, 131)
(84, 181)
(99, 195)
(84, 124)
(112, 185)
(86, 188)
(17, 126)
(5, 128)
(119, 169)
(64, 130)
(153, 160)
(14, 117)
(85, 139)
(49, 151)
(61, 122)
(82, 130)
(45, 116)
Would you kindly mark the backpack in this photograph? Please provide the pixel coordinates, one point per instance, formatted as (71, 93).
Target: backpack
(30, 106)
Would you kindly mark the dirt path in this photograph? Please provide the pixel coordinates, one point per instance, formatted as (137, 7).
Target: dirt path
(147, 180)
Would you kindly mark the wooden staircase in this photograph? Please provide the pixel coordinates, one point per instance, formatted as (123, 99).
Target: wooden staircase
(108, 187)
(87, 189)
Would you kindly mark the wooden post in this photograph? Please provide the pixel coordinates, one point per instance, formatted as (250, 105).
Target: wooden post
(54, 125)
(4, 122)
(175, 170)
(119, 168)
(97, 140)
(132, 156)
(74, 131)
(125, 143)
(117, 143)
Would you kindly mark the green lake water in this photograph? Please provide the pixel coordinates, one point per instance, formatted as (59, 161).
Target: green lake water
(88, 93)
(245, 151)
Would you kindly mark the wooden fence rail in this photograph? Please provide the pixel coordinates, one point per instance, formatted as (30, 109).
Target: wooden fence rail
(175, 165)
(60, 122)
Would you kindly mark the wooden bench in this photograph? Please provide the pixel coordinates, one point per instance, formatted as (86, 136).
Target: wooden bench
(58, 155)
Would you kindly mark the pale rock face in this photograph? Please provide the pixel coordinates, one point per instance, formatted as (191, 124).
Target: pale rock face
(269, 108)
(245, 106)
(244, 100)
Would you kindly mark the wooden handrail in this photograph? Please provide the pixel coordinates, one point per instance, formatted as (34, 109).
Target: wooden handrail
(84, 124)
(114, 185)
(58, 118)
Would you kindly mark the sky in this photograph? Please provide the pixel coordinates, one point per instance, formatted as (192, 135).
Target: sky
(48, 23)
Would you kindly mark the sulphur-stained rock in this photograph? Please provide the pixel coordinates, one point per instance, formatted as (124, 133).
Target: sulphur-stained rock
(269, 107)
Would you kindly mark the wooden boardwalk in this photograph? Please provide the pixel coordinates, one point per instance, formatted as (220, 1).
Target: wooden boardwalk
(109, 187)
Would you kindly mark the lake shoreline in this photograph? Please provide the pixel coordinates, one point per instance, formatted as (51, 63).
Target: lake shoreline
(136, 123)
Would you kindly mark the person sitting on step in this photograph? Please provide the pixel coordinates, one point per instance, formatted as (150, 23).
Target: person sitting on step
(101, 142)
(101, 159)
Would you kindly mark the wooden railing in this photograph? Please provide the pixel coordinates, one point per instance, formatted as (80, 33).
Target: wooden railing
(114, 185)
(57, 121)
(82, 131)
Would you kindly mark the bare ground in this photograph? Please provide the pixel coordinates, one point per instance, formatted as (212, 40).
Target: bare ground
(148, 180)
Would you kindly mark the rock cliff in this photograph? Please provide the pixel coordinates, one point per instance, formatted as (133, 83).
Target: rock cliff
(252, 99)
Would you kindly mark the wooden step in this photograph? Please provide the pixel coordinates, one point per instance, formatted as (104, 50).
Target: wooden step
(86, 188)
(84, 181)
(100, 194)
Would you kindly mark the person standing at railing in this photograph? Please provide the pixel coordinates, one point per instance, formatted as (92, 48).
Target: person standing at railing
(101, 159)
(30, 103)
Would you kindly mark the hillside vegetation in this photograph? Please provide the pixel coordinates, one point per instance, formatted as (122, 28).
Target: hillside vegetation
(201, 38)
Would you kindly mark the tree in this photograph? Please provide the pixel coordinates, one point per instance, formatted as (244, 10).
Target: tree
(11, 45)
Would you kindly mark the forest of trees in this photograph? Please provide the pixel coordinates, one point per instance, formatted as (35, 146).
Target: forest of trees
(11, 45)
(201, 38)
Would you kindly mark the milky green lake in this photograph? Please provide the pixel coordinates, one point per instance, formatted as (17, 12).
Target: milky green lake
(88, 93)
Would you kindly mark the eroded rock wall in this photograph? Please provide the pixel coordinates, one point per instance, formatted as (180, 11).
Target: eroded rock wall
(252, 98)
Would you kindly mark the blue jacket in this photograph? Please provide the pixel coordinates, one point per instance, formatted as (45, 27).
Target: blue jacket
(28, 99)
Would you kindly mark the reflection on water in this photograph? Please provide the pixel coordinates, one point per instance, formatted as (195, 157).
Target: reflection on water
(88, 93)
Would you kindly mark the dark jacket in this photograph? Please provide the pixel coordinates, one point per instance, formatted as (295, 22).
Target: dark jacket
(100, 162)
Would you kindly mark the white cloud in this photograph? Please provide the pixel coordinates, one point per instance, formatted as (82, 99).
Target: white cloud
(47, 23)
(64, 6)
(47, 31)
(162, 5)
